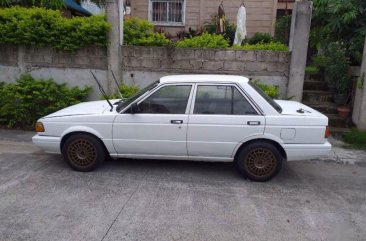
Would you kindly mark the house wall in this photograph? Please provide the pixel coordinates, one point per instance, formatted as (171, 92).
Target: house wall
(261, 15)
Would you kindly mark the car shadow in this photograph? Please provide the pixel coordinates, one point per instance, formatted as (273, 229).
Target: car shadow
(224, 170)
(182, 170)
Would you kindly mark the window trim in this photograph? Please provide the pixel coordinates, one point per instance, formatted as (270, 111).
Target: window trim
(157, 89)
(254, 106)
(167, 23)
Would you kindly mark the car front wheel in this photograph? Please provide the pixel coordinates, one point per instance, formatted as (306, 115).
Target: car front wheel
(83, 152)
(259, 161)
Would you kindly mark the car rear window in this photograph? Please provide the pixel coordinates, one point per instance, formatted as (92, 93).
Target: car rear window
(273, 103)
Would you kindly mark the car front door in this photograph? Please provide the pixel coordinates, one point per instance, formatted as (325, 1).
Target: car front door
(157, 127)
(220, 119)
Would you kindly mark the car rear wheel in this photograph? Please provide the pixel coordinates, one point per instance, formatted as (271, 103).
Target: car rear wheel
(259, 161)
(83, 152)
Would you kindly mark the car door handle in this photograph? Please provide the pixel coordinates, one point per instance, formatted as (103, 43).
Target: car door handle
(253, 123)
(176, 121)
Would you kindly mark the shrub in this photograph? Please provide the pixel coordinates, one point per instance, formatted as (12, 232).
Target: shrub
(188, 34)
(140, 32)
(261, 38)
(270, 90)
(339, 20)
(334, 65)
(282, 29)
(28, 99)
(275, 46)
(44, 27)
(206, 40)
(54, 4)
(311, 70)
(126, 90)
(211, 25)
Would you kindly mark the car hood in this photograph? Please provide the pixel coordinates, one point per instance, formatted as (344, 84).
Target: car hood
(85, 108)
(294, 108)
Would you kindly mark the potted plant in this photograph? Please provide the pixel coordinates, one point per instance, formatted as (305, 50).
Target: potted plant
(343, 111)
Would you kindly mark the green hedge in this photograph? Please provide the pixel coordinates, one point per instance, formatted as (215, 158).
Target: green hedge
(44, 27)
(274, 46)
(140, 32)
(28, 99)
(205, 40)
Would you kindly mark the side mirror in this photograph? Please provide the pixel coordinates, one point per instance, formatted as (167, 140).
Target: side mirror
(134, 108)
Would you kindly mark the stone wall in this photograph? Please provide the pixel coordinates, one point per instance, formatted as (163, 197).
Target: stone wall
(72, 67)
(142, 64)
(30, 57)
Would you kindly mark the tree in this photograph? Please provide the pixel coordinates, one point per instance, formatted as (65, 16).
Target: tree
(340, 20)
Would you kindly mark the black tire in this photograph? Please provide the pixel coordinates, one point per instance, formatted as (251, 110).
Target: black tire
(259, 161)
(83, 152)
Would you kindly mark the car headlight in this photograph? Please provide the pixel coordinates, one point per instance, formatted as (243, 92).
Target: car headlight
(39, 127)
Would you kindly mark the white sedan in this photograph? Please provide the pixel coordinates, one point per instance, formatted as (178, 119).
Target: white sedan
(189, 117)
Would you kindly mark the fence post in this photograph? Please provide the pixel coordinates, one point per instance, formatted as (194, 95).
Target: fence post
(299, 40)
(114, 48)
(359, 108)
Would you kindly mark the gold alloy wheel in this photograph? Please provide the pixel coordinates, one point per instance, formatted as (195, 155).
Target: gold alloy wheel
(261, 162)
(82, 153)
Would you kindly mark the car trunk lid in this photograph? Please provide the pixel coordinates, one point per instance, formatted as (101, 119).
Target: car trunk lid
(297, 109)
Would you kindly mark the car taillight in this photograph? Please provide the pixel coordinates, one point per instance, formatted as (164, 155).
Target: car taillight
(327, 132)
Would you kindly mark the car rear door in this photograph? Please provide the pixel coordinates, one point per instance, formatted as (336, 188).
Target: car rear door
(159, 128)
(220, 118)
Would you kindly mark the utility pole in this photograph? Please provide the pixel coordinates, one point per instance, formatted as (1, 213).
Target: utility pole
(113, 9)
(121, 15)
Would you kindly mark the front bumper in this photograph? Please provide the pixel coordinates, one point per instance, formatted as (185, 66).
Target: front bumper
(299, 152)
(49, 144)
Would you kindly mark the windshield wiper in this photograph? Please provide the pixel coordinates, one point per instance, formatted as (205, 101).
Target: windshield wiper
(102, 91)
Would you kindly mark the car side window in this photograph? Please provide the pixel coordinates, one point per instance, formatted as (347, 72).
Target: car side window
(172, 99)
(221, 100)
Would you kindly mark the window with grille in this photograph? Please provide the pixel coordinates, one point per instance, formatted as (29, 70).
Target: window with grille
(167, 12)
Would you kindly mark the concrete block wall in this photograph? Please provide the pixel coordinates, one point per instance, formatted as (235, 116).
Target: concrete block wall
(142, 65)
(9, 55)
(62, 66)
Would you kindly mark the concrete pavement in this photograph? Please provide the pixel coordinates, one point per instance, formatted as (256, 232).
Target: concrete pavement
(41, 198)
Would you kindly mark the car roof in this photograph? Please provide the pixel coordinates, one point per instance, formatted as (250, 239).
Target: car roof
(204, 78)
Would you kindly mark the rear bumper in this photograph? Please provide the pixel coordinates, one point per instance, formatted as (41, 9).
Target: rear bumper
(49, 144)
(299, 152)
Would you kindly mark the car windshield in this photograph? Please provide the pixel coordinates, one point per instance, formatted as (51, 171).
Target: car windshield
(273, 103)
(125, 103)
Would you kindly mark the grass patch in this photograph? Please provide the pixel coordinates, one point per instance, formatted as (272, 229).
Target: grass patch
(355, 139)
